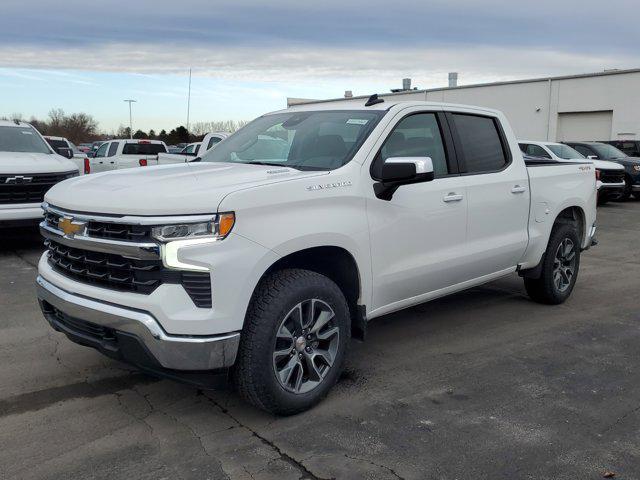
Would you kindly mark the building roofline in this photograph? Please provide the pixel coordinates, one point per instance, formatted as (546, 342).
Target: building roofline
(490, 84)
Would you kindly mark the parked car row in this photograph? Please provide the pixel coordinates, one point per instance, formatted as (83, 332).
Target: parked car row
(618, 173)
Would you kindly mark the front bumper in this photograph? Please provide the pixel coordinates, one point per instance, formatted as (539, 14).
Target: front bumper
(611, 187)
(28, 213)
(133, 336)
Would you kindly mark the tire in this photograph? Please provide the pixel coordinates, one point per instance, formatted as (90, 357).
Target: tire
(275, 381)
(546, 289)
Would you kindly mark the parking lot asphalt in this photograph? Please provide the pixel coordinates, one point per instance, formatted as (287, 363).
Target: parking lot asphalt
(482, 384)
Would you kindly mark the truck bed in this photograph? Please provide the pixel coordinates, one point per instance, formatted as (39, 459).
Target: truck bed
(555, 186)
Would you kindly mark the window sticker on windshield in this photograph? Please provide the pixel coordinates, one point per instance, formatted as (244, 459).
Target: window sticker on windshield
(27, 133)
(357, 121)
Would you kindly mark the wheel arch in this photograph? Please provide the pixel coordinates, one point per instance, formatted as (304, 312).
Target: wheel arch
(337, 264)
(573, 214)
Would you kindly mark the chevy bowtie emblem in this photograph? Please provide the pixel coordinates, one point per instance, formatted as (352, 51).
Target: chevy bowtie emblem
(69, 227)
(18, 179)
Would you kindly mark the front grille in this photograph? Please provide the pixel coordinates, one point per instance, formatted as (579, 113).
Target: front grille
(108, 230)
(28, 188)
(611, 176)
(125, 274)
(109, 270)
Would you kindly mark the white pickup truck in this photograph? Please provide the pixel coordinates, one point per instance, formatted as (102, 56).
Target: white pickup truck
(276, 248)
(119, 154)
(28, 168)
(193, 150)
(67, 149)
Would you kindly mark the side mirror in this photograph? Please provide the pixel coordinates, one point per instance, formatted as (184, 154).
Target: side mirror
(398, 171)
(592, 157)
(65, 152)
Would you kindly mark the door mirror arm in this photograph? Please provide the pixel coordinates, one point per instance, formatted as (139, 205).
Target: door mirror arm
(399, 171)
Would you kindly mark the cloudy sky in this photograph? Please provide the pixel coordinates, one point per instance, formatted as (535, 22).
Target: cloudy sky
(248, 56)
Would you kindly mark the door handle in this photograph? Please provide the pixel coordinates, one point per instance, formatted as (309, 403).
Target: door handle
(452, 197)
(518, 189)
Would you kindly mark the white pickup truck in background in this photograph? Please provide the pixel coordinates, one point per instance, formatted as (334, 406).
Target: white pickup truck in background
(119, 154)
(193, 150)
(28, 168)
(277, 247)
(67, 149)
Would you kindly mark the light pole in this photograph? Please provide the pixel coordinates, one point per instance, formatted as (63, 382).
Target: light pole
(130, 101)
(189, 101)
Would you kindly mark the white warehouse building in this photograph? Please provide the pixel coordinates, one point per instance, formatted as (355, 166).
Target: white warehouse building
(597, 106)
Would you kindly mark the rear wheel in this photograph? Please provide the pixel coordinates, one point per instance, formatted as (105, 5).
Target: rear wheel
(293, 343)
(561, 263)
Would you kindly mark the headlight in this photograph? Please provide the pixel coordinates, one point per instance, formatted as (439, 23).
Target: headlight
(178, 236)
(217, 229)
(636, 168)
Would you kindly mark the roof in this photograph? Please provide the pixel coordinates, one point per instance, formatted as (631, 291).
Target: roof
(387, 104)
(11, 123)
(133, 140)
(478, 85)
(539, 142)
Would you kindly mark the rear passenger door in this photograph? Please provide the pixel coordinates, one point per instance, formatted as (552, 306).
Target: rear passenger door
(497, 185)
(418, 237)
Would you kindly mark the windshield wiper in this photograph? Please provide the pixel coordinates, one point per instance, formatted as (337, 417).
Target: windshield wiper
(270, 164)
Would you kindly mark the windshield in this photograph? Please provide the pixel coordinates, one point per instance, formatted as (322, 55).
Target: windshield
(565, 152)
(320, 140)
(607, 152)
(22, 139)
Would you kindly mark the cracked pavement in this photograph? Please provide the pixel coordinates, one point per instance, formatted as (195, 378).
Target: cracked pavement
(482, 384)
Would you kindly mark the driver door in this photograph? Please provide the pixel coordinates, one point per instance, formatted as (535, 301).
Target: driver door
(100, 163)
(418, 238)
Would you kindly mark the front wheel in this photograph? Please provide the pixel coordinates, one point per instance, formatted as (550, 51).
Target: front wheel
(293, 343)
(561, 263)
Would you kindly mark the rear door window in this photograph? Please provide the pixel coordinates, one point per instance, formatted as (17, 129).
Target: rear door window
(481, 143)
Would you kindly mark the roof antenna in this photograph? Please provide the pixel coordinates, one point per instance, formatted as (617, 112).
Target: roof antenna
(373, 100)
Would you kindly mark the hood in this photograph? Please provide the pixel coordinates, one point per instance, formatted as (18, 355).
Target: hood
(606, 165)
(22, 162)
(182, 189)
(628, 161)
